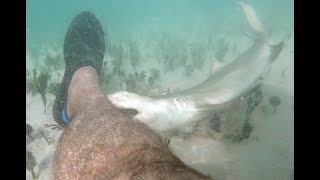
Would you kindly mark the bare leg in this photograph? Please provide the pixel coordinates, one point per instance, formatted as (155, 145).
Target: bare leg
(102, 143)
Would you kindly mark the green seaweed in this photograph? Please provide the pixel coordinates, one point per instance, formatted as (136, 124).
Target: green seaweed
(222, 49)
(54, 87)
(31, 163)
(122, 75)
(54, 126)
(254, 98)
(154, 76)
(215, 121)
(105, 77)
(198, 55)
(172, 53)
(188, 69)
(49, 141)
(29, 129)
(155, 73)
(151, 81)
(55, 63)
(135, 82)
(275, 101)
(134, 53)
(30, 86)
(245, 132)
(41, 82)
(142, 76)
(116, 51)
(131, 82)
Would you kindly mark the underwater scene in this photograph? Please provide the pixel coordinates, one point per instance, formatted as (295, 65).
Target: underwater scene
(226, 66)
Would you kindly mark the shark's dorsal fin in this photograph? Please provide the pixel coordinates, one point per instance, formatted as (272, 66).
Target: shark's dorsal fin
(275, 51)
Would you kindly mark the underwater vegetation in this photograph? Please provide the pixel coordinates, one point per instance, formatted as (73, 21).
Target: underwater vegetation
(188, 69)
(54, 63)
(29, 129)
(274, 101)
(134, 82)
(134, 53)
(151, 81)
(122, 74)
(105, 79)
(40, 84)
(46, 61)
(253, 100)
(54, 126)
(215, 120)
(105, 76)
(168, 57)
(138, 82)
(54, 87)
(171, 53)
(155, 75)
(31, 163)
(245, 132)
(48, 139)
(116, 52)
(198, 55)
(221, 49)
(30, 86)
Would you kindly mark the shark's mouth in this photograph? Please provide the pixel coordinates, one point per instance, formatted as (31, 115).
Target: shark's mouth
(129, 112)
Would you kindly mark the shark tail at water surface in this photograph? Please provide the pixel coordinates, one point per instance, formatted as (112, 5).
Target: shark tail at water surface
(253, 21)
(257, 28)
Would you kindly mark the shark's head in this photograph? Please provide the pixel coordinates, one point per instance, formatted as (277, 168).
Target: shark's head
(124, 99)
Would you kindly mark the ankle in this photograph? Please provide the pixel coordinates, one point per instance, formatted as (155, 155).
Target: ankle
(84, 86)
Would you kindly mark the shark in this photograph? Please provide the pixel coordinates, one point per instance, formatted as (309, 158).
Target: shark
(222, 87)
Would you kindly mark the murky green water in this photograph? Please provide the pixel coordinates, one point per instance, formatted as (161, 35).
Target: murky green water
(178, 38)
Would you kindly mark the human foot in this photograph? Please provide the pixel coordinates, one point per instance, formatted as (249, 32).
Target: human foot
(84, 45)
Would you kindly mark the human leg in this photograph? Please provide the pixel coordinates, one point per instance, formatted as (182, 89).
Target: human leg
(100, 142)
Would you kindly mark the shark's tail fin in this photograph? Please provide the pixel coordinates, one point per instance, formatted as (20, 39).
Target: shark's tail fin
(253, 21)
(257, 27)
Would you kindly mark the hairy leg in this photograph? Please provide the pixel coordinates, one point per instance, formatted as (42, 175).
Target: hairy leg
(103, 143)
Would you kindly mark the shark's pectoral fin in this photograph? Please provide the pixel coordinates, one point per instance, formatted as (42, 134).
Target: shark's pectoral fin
(275, 51)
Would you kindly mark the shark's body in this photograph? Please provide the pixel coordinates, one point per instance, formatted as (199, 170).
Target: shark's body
(226, 84)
